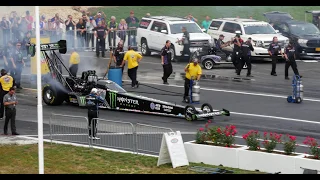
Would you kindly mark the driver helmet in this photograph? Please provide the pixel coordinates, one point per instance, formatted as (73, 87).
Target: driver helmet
(94, 91)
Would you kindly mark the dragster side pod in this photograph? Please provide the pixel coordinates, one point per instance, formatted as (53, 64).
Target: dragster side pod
(60, 45)
(226, 112)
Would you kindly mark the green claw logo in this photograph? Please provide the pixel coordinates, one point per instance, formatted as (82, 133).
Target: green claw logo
(113, 99)
(82, 100)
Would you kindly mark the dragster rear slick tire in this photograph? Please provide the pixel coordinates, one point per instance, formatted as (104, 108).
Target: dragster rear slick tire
(189, 113)
(53, 97)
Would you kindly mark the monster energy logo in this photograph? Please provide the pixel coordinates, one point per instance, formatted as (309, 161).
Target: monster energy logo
(82, 100)
(113, 99)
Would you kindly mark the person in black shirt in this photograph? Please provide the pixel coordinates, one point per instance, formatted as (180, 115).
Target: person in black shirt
(274, 50)
(70, 27)
(100, 33)
(166, 62)
(7, 54)
(186, 43)
(237, 52)
(290, 57)
(118, 55)
(81, 33)
(246, 49)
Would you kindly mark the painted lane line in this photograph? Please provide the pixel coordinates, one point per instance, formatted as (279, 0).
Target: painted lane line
(95, 147)
(235, 92)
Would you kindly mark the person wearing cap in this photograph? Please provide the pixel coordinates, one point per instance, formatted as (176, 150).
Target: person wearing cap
(246, 49)
(100, 33)
(193, 72)
(7, 54)
(274, 50)
(6, 82)
(92, 102)
(290, 56)
(18, 63)
(186, 44)
(220, 44)
(133, 59)
(166, 61)
(43, 24)
(74, 62)
(10, 102)
(237, 53)
(98, 17)
(132, 18)
(91, 24)
(112, 29)
(118, 55)
(29, 19)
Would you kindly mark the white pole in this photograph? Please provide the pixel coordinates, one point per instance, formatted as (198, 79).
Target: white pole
(39, 87)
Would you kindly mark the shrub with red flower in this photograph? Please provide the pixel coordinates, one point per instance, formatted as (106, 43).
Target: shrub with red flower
(289, 144)
(215, 135)
(202, 134)
(228, 134)
(271, 141)
(314, 147)
(252, 140)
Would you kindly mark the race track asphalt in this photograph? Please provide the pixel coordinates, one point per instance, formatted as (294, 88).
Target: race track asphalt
(258, 103)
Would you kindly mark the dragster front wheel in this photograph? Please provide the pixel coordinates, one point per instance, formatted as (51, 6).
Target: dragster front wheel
(190, 113)
(206, 108)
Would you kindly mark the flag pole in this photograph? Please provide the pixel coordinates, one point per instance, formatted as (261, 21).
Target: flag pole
(39, 88)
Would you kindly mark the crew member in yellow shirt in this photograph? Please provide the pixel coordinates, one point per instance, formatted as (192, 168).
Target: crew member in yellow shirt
(193, 72)
(133, 59)
(6, 82)
(74, 62)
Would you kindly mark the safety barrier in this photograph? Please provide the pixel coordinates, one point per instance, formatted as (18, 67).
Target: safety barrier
(113, 134)
(139, 138)
(148, 138)
(69, 128)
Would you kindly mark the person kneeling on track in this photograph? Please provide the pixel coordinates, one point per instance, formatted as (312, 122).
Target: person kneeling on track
(133, 59)
(193, 72)
(290, 56)
(92, 102)
(74, 62)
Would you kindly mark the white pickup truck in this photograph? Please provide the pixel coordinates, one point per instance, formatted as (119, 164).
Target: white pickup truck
(261, 33)
(153, 32)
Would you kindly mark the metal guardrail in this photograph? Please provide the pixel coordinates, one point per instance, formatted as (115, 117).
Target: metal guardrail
(69, 128)
(148, 138)
(75, 39)
(138, 138)
(113, 134)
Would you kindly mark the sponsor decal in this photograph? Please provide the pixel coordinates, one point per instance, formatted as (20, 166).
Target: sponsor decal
(167, 108)
(112, 99)
(73, 100)
(154, 106)
(210, 114)
(174, 140)
(82, 101)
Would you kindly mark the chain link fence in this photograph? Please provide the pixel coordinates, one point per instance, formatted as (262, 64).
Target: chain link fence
(138, 138)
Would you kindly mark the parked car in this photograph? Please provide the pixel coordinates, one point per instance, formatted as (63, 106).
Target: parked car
(305, 35)
(261, 33)
(154, 31)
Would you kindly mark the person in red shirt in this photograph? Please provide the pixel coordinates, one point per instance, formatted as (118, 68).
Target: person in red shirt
(29, 19)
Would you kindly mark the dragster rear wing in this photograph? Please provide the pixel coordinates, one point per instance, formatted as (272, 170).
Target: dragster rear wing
(60, 45)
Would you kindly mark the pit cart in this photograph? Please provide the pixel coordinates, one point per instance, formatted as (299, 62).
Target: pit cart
(73, 90)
